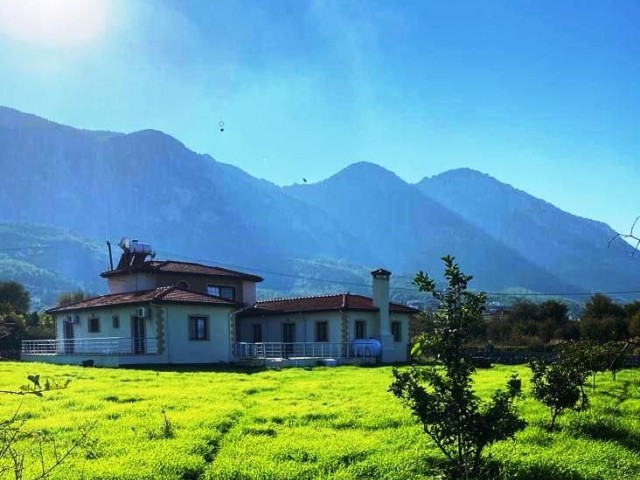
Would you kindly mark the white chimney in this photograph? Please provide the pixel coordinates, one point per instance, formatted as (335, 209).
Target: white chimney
(381, 298)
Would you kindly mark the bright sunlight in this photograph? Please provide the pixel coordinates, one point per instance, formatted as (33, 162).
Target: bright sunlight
(60, 23)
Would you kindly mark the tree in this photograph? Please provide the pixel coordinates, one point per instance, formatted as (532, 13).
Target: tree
(557, 384)
(15, 296)
(601, 306)
(442, 399)
(71, 297)
(605, 329)
(633, 325)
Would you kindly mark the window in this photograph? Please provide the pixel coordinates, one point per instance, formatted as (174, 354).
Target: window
(94, 324)
(257, 333)
(198, 328)
(228, 293)
(116, 321)
(396, 331)
(182, 284)
(322, 331)
(361, 329)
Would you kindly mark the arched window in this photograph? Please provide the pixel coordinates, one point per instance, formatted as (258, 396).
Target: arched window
(182, 284)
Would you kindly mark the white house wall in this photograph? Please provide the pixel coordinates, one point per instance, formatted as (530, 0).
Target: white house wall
(398, 351)
(248, 292)
(305, 329)
(130, 283)
(107, 330)
(217, 348)
(174, 344)
(306, 326)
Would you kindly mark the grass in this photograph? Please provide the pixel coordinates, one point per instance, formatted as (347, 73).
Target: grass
(302, 424)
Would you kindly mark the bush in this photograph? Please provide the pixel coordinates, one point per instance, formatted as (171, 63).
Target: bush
(449, 411)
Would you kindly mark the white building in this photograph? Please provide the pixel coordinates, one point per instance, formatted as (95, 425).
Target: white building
(169, 312)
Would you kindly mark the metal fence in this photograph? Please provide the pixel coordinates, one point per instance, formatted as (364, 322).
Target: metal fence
(91, 346)
(301, 350)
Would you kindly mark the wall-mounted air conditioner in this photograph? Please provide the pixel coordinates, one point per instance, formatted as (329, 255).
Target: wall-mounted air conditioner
(143, 312)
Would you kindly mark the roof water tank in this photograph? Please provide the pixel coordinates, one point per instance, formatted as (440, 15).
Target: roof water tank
(139, 248)
(370, 347)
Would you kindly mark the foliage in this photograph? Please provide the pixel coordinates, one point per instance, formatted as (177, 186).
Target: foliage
(71, 297)
(603, 320)
(448, 409)
(15, 327)
(559, 383)
(14, 296)
(604, 329)
(531, 324)
(601, 306)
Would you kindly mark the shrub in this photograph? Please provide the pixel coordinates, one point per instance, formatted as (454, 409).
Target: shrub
(442, 399)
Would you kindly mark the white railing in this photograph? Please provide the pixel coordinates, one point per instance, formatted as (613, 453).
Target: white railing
(91, 346)
(300, 350)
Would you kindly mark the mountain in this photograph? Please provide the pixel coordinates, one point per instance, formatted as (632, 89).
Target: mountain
(409, 231)
(97, 185)
(50, 261)
(576, 249)
(150, 186)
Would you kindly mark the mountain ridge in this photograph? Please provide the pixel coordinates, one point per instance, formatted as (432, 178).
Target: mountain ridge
(150, 185)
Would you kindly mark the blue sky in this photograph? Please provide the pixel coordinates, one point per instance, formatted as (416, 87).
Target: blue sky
(543, 95)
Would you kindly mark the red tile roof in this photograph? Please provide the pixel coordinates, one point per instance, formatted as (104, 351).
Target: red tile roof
(185, 268)
(345, 301)
(159, 295)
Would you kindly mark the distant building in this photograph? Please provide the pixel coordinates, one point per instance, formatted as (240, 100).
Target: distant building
(171, 312)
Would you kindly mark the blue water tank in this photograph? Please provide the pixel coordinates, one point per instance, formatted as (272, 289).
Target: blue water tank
(370, 347)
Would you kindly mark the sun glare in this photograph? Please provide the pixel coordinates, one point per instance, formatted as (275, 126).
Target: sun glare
(54, 23)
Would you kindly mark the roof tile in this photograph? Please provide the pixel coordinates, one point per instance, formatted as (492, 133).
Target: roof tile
(159, 295)
(346, 301)
(172, 266)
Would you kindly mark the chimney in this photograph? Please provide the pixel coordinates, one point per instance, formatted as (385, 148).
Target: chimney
(381, 298)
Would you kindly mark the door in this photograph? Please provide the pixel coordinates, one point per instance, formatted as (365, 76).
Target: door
(67, 334)
(137, 334)
(288, 337)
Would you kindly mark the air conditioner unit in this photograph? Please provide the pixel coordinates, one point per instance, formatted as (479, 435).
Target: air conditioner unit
(143, 312)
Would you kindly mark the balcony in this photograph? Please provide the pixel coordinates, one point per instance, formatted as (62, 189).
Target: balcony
(300, 350)
(91, 346)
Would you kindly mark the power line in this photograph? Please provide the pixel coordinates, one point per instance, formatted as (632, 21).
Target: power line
(368, 285)
(338, 282)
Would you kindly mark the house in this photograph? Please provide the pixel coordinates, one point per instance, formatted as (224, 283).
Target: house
(171, 312)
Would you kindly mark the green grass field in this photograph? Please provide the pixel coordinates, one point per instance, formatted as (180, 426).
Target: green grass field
(301, 424)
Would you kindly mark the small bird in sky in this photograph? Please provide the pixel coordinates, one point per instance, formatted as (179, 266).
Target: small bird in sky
(221, 125)
(304, 180)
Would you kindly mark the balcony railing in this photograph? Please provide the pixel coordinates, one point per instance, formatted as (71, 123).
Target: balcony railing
(91, 346)
(300, 350)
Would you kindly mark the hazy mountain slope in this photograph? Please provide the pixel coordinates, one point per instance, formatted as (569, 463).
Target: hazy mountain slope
(148, 185)
(574, 248)
(408, 231)
(50, 261)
